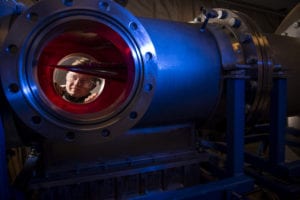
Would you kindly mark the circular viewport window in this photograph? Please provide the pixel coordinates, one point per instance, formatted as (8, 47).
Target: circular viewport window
(76, 86)
(86, 68)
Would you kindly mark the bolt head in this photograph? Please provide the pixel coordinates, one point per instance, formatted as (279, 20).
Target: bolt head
(296, 24)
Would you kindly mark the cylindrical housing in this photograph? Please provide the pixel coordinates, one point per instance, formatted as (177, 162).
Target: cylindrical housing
(189, 72)
(172, 72)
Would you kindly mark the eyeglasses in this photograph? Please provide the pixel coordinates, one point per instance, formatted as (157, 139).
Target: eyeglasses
(84, 82)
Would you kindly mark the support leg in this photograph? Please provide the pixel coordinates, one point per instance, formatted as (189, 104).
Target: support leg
(235, 112)
(278, 122)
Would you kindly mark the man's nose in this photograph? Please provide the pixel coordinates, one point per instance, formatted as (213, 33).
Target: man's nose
(77, 82)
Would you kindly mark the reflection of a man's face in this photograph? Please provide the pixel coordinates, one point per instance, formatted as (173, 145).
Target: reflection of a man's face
(79, 85)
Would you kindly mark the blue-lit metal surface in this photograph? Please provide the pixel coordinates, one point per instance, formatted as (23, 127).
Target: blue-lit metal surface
(235, 125)
(278, 121)
(181, 73)
(188, 61)
(10, 7)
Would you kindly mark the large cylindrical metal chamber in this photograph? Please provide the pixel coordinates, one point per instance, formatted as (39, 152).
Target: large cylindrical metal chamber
(173, 77)
(189, 74)
(115, 106)
(148, 72)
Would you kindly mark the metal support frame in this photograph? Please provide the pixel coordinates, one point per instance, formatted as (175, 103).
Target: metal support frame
(236, 182)
(275, 164)
(228, 188)
(234, 185)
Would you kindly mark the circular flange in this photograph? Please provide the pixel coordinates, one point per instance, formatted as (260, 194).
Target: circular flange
(245, 48)
(48, 32)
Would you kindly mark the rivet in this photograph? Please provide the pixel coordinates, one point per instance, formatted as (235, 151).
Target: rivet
(104, 5)
(222, 14)
(234, 22)
(133, 26)
(12, 49)
(296, 24)
(68, 2)
(32, 16)
(148, 87)
(148, 56)
(133, 115)
(14, 88)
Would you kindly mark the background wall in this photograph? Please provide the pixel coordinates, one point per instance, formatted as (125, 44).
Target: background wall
(179, 10)
(268, 18)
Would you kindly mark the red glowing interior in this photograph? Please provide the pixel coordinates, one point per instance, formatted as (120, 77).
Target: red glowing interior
(100, 42)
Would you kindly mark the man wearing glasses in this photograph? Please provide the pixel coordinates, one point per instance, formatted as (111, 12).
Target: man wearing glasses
(78, 87)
